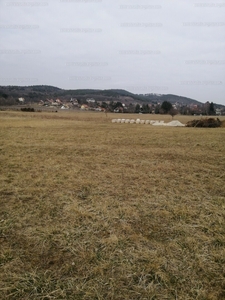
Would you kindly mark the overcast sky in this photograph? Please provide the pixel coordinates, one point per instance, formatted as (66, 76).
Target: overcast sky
(146, 46)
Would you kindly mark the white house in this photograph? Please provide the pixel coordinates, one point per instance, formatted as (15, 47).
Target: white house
(21, 100)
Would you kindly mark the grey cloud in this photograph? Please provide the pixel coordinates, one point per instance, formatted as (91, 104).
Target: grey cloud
(149, 46)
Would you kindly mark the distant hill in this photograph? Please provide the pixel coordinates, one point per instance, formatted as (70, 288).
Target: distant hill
(10, 94)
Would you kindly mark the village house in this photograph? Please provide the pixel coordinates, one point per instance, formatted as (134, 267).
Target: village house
(84, 107)
(90, 100)
(74, 101)
(21, 100)
(218, 112)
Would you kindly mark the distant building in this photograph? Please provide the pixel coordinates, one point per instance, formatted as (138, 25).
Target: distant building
(84, 107)
(218, 112)
(90, 100)
(21, 100)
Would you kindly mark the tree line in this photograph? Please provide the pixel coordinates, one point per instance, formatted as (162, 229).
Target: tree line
(165, 108)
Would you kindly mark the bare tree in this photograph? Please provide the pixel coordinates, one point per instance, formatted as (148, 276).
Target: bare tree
(173, 112)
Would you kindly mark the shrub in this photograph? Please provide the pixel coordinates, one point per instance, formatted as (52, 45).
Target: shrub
(210, 122)
(31, 109)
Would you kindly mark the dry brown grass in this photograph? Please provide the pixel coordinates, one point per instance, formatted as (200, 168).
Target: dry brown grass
(95, 210)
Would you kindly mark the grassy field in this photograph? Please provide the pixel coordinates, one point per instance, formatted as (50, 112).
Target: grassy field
(95, 210)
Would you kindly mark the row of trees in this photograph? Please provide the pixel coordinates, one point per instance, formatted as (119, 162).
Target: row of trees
(165, 108)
